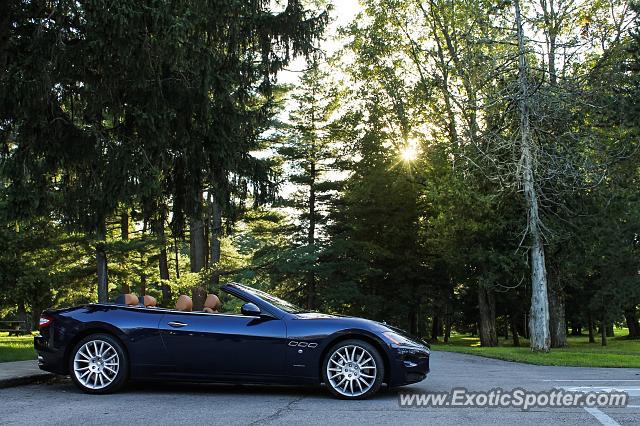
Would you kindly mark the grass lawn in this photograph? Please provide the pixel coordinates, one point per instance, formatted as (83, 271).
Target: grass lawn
(16, 348)
(619, 352)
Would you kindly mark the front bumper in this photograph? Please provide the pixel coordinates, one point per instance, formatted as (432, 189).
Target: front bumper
(409, 365)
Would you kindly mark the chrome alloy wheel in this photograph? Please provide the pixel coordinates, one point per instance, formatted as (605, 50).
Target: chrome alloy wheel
(96, 364)
(351, 370)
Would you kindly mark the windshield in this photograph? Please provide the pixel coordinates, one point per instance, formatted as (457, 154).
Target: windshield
(275, 301)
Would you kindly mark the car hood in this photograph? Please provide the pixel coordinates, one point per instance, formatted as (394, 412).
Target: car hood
(381, 326)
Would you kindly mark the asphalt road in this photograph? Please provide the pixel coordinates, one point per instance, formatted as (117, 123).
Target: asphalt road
(61, 403)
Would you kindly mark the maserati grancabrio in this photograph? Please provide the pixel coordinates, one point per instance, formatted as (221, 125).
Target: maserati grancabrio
(257, 339)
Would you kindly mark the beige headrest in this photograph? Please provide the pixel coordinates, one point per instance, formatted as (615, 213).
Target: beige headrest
(150, 301)
(212, 302)
(184, 303)
(209, 311)
(131, 299)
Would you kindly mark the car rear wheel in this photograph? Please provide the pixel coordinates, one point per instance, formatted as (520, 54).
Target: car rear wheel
(98, 364)
(353, 369)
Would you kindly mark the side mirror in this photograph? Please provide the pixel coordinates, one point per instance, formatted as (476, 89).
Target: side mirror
(250, 310)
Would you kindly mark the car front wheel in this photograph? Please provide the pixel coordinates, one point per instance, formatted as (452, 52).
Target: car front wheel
(353, 369)
(98, 364)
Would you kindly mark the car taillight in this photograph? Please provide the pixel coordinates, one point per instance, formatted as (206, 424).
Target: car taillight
(45, 321)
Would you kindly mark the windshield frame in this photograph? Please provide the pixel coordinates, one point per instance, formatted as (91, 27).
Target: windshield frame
(272, 300)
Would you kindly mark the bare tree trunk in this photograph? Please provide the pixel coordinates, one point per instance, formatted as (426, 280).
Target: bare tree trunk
(435, 328)
(539, 318)
(206, 238)
(163, 262)
(551, 23)
(197, 248)
(448, 315)
(592, 337)
(413, 320)
(176, 257)
(311, 237)
(124, 225)
(36, 310)
(124, 235)
(216, 234)
(101, 262)
(610, 332)
(143, 284)
(557, 322)
(143, 274)
(631, 316)
(487, 309)
(603, 332)
(514, 330)
(23, 316)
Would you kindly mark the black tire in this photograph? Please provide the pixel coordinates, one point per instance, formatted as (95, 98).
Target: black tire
(114, 376)
(358, 376)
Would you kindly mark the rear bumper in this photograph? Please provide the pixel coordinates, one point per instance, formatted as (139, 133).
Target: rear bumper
(408, 365)
(49, 359)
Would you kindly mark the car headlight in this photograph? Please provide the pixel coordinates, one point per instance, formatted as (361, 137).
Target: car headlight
(399, 340)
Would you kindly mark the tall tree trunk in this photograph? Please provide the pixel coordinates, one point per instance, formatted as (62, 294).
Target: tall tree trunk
(143, 284)
(311, 236)
(197, 249)
(447, 330)
(413, 320)
(610, 332)
(36, 310)
(23, 316)
(487, 309)
(176, 249)
(592, 336)
(143, 274)
(448, 316)
(557, 322)
(124, 225)
(101, 261)
(631, 316)
(549, 14)
(435, 328)
(124, 235)
(539, 318)
(206, 238)
(514, 329)
(216, 234)
(603, 332)
(163, 262)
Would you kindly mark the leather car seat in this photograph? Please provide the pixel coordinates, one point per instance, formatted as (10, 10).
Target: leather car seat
(184, 303)
(131, 299)
(127, 299)
(211, 304)
(149, 301)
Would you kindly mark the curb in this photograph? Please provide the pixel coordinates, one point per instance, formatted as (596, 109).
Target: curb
(25, 380)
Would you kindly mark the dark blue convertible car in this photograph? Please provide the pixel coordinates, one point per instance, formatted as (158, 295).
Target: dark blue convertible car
(264, 340)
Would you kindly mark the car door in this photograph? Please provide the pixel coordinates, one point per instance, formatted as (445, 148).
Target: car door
(221, 345)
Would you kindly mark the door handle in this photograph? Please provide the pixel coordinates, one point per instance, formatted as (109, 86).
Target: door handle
(176, 324)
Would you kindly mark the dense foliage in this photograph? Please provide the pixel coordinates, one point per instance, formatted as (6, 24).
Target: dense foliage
(147, 147)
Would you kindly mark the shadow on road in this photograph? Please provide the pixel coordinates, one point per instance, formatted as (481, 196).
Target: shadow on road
(160, 387)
